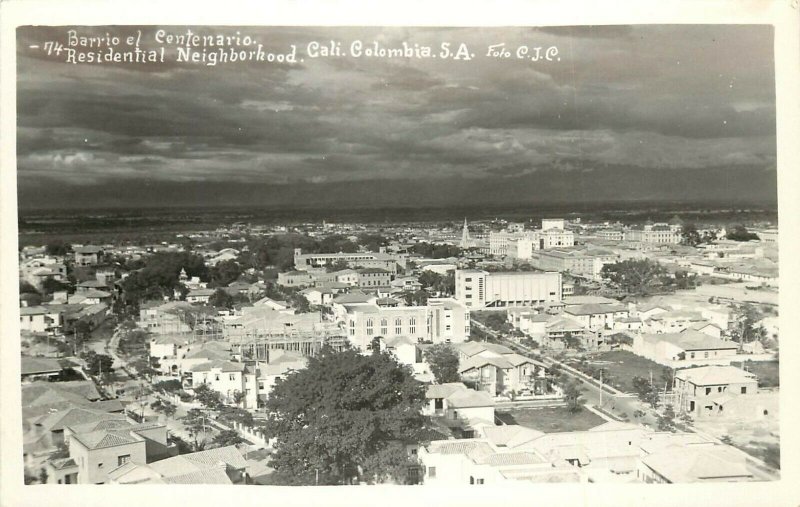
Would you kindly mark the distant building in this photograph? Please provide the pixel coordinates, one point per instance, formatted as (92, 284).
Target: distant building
(88, 255)
(482, 289)
(704, 391)
(660, 233)
(683, 349)
(381, 260)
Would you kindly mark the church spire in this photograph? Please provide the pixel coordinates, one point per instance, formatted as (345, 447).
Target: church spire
(465, 239)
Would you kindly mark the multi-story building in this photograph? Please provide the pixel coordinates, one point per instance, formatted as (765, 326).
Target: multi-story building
(89, 255)
(481, 289)
(381, 260)
(441, 320)
(660, 234)
(704, 391)
(578, 262)
(373, 278)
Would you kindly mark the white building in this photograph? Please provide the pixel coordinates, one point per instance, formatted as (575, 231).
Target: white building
(482, 289)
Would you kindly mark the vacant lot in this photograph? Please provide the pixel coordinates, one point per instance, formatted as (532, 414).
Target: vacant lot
(551, 419)
(622, 366)
(766, 371)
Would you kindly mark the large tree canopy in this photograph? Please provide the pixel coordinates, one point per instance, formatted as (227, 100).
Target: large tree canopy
(635, 276)
(345, 417)
(444, 362)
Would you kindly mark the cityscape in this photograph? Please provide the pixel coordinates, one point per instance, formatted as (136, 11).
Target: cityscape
(451, 270)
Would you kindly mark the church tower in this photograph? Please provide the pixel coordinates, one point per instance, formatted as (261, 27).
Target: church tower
(466, 242)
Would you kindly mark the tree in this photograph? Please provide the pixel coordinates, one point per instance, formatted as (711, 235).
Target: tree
(345, 417)
(635, 276)
(740, 233)
(238, 397)
(98, 364)
(168, 386)
(226, 437)
(689, 235)
(195, 422)
(572, 395)
(415, 298)
(646, 391)
(444, 362)
(666, 420)
(57, 247)
(220, 299)
(51, 285)
(208, 397)
(746, 325)
(224, 273)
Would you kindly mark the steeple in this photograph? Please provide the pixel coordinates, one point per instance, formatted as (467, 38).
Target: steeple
(465, 240)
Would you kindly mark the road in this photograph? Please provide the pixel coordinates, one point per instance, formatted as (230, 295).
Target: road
(616, 405)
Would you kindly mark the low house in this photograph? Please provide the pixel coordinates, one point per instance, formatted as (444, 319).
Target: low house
(704, 391)
(673, 321)
(223, 465)
(372, 278)
(597, 316)
(165, 318)
(39, 368)
(683, 349)
(96, 449)
(499, 375)
(295, 279)
(697, 464)
(89, 255)
(319, 296)
(224, 377)
(41, 319)
(459, 407)
(200, 296)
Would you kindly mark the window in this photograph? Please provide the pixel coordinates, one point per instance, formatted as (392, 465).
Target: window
(99, 465)
(232, 376)
(432, 472)
(121, 460)
(384, 327)
(260, 386)
(744, 390)
(398, 326)
(412, 323)
(708, 391)
(479, 481)
(216, 376)
(369, 327)
(352, 328)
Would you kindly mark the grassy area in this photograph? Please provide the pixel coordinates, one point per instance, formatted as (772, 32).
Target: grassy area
(551, 419)
(766, 371)
(622, 366)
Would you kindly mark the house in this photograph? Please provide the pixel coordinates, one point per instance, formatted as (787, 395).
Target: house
(280, 364)
(165, 318)
(597, 316)
(41, 319)
(459, 407)
(39, 368)
(199, 296)
(318, 296)
(372, 278)
(705, 390)
(223, 465)
(89, 255)
(697, 464)
(673, 321)
(683, 349)
(224, 377)
(499, 375)
(295, 279)
(97, 448)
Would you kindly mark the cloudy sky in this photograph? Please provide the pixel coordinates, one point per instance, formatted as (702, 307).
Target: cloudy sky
(628, 113)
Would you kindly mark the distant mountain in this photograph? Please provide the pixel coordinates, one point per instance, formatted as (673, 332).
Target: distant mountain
(573, 184)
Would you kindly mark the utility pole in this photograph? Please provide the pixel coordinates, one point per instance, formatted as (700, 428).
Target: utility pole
(601, 388)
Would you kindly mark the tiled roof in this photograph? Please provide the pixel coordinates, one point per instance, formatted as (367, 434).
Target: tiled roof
(443, 390)
(715, 375)
(224, 366)
(74, 417)
(205, 476)
(32, 365)
(469, 398)
(595, 309)
(105, 438)
(692, 340)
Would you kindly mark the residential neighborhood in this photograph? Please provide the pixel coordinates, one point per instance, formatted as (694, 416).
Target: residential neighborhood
(528, 372)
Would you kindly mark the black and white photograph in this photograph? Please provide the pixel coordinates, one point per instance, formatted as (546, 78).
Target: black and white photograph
(407, 255)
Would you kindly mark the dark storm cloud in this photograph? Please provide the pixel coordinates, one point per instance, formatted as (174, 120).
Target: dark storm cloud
(655, 98)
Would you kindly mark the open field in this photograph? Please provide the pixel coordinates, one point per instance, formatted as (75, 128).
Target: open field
(622, 366)
(551, 419)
